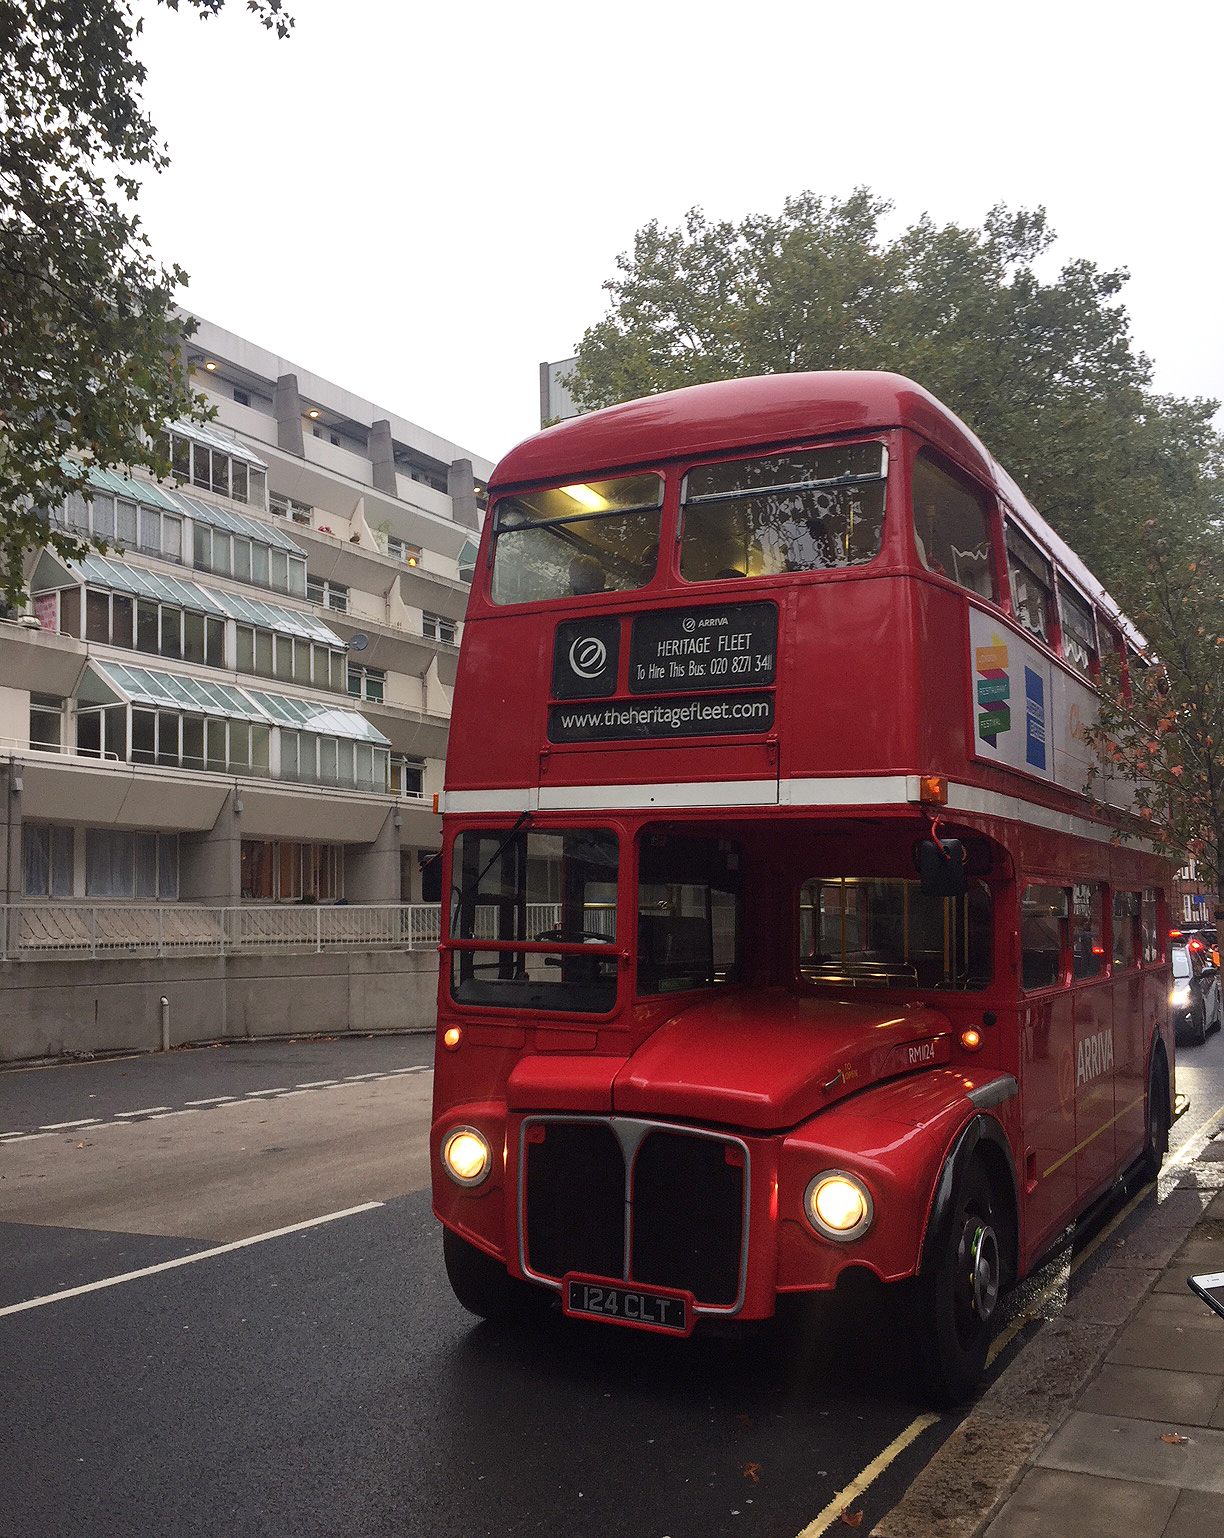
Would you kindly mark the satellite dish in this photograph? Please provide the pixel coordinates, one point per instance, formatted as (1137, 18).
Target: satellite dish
(358, 642)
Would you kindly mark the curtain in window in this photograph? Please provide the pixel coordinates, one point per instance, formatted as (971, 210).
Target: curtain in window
(109, 863)
(36, 855)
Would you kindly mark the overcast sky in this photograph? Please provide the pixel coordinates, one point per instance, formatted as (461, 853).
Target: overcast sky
(421, 201)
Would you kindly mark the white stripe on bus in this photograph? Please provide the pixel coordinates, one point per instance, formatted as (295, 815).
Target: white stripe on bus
(834, 791)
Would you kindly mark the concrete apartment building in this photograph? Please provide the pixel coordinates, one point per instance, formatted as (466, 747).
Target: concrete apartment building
(219, 741)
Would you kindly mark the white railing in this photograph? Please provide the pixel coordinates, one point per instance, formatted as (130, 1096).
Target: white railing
(45, 931)
(32, 931)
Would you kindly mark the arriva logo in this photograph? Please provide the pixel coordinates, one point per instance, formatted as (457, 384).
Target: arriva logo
(1094, 1056)
(588, 656)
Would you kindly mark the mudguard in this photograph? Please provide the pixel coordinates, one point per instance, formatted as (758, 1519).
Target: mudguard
(981, 1129)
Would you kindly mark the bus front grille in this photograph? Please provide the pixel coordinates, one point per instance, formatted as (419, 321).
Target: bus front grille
(676, 1197)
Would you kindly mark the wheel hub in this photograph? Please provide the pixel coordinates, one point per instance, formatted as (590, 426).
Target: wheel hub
(984, 1261)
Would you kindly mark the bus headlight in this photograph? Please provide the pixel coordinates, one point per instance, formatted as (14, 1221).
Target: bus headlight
(838, 1205)
(465, 1156)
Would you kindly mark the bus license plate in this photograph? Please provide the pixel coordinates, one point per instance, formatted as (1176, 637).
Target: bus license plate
(644, 1308)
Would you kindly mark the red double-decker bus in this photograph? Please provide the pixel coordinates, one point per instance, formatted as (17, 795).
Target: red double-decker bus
(783, 941)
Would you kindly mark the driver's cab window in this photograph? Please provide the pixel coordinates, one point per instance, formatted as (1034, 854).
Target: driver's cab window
(688, 913)
(544, 888)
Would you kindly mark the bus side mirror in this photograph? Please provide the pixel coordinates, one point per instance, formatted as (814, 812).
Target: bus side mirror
(941, 868)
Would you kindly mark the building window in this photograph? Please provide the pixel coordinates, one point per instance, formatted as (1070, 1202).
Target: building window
(46, 721)
(332, 595)
(286, 507)
(211, 469)
(278, 871)
(314, 760)
(366, 683)
(127, 525)
(133, 865)
(268, 654)
(248, 559)
(102, 732)
(407, 778)
(47, 859)
(436, 627)
(118, 619)
(401, 550)
(176, 740)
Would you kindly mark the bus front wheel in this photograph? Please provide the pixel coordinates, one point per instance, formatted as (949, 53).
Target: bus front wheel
(956, 1300)
(484, 1286)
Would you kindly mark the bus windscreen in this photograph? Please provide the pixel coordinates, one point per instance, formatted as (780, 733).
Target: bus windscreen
(593, 537)
(804, 511)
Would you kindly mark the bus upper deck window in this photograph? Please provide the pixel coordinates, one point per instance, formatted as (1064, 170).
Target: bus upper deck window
(587, 537)
(1079, 642)
(1032, 583)
(808, 510)
(952, 527)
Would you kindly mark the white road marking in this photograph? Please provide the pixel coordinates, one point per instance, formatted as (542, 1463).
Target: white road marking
(214, 1102)
(185, 1260)
(856, 1487)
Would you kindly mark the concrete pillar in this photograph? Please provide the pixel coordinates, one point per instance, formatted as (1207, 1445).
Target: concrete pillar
(372, 871)
(10, 828)
(382, 458)
(287, 404)
(461, 484)
(210, 864)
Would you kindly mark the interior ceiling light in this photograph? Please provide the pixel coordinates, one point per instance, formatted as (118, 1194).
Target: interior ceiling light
(312, 414)
(585, 497)
(211, 366)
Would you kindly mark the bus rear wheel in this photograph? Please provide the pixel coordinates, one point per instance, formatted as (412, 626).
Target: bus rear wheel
(485, 1287)
(1158, 1118)
(956, 1300)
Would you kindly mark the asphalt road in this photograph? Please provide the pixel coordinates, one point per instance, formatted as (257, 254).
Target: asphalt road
(324, 1382)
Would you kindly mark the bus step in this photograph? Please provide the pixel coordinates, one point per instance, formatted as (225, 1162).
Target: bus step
(1181, 1104)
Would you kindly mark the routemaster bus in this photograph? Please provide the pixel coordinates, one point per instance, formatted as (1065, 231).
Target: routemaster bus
(783, 942)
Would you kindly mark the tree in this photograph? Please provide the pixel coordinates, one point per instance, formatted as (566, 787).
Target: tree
(90, 339)
(1043, 371)
(1162, 735)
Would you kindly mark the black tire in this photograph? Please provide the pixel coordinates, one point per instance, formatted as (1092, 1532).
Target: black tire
(1158, 1118)
(956, 1299)
(485, 1287)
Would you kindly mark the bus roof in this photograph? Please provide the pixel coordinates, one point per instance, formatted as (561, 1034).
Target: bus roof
(729, 414)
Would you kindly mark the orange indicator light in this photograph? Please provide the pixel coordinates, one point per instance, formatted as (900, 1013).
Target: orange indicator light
(971, 1039)
(452, 1038)
(933, 788)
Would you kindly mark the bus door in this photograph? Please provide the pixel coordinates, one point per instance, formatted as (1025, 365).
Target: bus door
(1048, 1056)
(1095, 1047)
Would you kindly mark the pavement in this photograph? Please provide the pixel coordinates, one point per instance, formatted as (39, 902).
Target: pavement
(1110, 1421)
